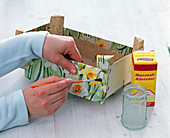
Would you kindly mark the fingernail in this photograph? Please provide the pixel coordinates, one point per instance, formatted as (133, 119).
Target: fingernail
(73, 71)
(69, 79)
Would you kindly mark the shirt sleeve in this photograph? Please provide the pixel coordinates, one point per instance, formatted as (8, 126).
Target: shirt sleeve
(13, 110)
(16, 52)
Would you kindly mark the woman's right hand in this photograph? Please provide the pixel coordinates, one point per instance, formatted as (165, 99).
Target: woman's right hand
(46, 100)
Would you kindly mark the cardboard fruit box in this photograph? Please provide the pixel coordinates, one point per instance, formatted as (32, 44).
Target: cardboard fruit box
(101, 58)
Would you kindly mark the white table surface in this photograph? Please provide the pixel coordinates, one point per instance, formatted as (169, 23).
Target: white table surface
(115, 20)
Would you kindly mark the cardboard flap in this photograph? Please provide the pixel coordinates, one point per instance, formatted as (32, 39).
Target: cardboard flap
(90, 51)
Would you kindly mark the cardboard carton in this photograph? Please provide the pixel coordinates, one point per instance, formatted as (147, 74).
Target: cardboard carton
(144, 72)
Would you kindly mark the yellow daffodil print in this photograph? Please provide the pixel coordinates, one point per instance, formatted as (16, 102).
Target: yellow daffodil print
(80, 90)
(26, 65)
(74, 36)
(94, 82)
(76, 89)
(89, 73)
(101, 43)
(35, 29)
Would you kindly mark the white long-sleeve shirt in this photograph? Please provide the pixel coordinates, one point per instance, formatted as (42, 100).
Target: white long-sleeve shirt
(16, 52)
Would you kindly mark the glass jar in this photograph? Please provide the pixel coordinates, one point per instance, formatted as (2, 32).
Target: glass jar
(134, 110)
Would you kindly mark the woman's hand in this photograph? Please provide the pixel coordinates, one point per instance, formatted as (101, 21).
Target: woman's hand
(45, 100)
(57, 47)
